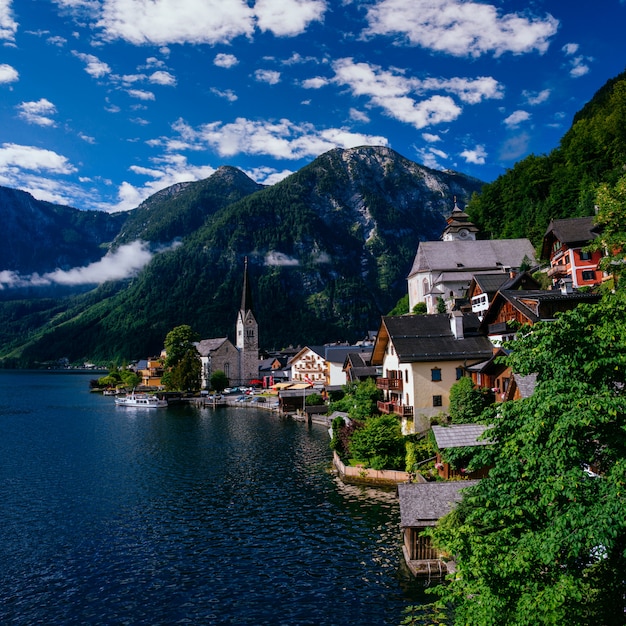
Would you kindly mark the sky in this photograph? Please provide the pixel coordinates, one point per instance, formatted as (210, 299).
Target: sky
(105, 102)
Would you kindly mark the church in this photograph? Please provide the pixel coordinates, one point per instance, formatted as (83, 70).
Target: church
(442, 270)
(240, 362)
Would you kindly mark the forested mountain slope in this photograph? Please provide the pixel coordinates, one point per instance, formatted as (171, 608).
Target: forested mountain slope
(521, 202)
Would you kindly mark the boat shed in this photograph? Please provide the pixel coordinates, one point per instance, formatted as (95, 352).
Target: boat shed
(421, 506)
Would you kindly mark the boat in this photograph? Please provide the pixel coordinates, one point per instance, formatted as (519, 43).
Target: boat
(141, 400)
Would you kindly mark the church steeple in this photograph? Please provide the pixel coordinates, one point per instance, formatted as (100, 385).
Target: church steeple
(247, 330)
(246, 294)
(459, 227)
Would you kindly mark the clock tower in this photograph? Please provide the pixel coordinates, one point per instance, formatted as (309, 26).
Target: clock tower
(459, 227)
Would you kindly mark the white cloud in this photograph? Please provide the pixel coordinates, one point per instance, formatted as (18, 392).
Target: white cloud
(281, 139)
(161, 77)
(8, 74)
(359, 116)
(124, 262)
(578, 67)
(461, 28)
(34, 159)
(225, 60)
(227, 94)
(516, 118)
(270, 77)
(93, 65)
(570, 49)
(141, 94)
(280, 259)
(288, 17)
(268, 175)
(535, 98)
(315, 83)
(38, 112)
(392, 91)
(8, 26)
(430, 138)
(477, 156)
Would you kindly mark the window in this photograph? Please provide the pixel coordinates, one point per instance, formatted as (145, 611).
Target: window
(406, 376)
(585, 256)
(588, 275)
(437, 401)
(435, 374)
(459, 373)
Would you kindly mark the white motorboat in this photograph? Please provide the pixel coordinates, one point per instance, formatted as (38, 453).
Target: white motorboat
(141, 400)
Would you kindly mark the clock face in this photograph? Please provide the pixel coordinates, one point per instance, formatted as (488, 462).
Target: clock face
(463, 233)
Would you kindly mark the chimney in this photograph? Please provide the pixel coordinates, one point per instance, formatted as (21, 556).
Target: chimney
(566, 285)
(456, 324)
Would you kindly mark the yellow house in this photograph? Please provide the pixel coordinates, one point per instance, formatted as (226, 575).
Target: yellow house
(421, 357)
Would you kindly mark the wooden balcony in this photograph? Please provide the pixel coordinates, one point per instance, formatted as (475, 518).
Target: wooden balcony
(558, 271)
(389, 384)
(395, 407)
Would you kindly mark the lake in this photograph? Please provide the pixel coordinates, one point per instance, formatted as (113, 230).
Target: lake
(183, 515)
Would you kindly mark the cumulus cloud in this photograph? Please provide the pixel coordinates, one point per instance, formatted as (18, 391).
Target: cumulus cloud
(8, 74)
(282, 139)
(460, 28)
(477, 156)
(534, 98)
(8, 26)
(271, 77)
(403, 98)
(127, 261)
(316, 82)
(141, 94)
(227, 94)
(287, 18)
(34, 159)
(38, 112)
(225, 60)
(93, 65)
(516, 118)
(161, 77)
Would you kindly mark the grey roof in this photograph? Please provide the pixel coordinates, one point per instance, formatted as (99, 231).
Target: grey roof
(459, 436)
(206, 346)
(338, 354)
(539, 304)
(473, 256)
(573, 230)
(526, 384)
(430, 338)
(422, 504)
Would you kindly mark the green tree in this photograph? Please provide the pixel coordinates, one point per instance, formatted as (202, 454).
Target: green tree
(611, 223)
(360, 400)
(467, 402)
(380, 443)
(542, 540)
(182, 361)
(219, 381)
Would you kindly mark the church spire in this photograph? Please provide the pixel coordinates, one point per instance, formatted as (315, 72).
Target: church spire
(246, 294)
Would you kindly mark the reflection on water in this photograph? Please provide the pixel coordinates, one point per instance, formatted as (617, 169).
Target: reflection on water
(193, 515)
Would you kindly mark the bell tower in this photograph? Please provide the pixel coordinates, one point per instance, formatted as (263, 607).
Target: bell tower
(247, 330)
(459, 227)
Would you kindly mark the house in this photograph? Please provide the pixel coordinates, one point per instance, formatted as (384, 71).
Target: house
(422, 505)
(217, 355)
(151, 371)
(335, 357)
(443, 270)
(511, 309)
(484, 286)
(308, 365)
(421, 357)
(357, 366)
(458, 436)
(563, 245)
(273, 370)
(492, 374)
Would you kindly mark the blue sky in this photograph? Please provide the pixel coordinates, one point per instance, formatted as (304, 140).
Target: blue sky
(104, 102)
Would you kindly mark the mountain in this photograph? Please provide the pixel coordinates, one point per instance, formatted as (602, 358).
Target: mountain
(521, 202)
(329, 250)
(40, 236)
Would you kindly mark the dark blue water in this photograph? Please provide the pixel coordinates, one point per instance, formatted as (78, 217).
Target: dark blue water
(111, 515)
